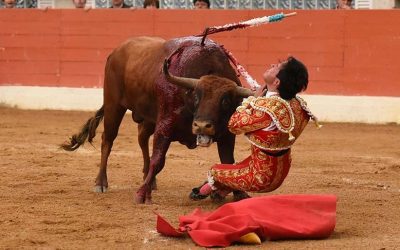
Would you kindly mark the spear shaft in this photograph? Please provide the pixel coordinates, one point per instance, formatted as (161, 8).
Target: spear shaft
(249, 23)
(241, 25)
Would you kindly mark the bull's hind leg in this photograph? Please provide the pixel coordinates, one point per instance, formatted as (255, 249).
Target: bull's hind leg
(146, 129)
(112, 120)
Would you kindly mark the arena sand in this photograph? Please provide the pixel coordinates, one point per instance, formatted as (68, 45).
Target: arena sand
(47, 198)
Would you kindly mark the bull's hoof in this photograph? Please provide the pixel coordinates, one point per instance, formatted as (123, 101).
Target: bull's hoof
(100, 189)
(240, 195)
(139, 199)
(148, 201)
(143, 196)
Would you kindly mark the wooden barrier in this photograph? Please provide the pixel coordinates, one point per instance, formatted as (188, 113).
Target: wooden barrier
(347, 52)
(55, 58)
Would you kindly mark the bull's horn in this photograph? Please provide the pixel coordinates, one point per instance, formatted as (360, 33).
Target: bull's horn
(244, 92)
(189, 83)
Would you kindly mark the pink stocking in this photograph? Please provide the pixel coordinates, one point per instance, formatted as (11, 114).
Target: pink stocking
(205, 189)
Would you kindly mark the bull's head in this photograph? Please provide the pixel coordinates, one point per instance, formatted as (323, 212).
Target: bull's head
(213, 101)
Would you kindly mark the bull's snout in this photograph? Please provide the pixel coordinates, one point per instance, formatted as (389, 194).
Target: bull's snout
(203, 128)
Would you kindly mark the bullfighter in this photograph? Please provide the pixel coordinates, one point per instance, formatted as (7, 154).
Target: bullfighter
(272, 121)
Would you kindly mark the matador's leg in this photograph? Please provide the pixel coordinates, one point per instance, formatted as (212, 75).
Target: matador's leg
(218, 190)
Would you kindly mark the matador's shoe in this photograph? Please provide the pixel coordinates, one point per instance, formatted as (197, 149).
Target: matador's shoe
(195, 194)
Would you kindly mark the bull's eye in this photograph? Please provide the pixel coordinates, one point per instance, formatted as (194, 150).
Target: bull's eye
(225, 103)
(196, 100)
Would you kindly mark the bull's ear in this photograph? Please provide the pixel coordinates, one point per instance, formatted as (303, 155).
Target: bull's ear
(165, 67)
(244, 92)
(189, 83)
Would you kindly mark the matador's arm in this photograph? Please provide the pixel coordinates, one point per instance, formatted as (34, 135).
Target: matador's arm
(246, 119)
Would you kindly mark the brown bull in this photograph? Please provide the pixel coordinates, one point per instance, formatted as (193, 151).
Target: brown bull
(193, 109)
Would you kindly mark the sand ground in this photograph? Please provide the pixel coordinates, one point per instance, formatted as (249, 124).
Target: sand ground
(47, 198)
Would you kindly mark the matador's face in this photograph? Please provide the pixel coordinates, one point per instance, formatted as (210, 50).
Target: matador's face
(270, 74)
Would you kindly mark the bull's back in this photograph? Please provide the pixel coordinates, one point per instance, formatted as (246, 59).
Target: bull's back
(131, 72)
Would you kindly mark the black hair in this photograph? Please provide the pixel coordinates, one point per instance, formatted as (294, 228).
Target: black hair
(206, 1)
(151, 2)
(293, 78)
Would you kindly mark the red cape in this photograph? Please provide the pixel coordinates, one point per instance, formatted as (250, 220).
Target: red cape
(270, 217)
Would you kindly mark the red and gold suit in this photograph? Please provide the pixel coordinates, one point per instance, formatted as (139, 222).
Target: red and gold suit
(268, 165)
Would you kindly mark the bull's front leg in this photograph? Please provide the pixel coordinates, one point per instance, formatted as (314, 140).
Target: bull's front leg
(160, 147)
(226, 147)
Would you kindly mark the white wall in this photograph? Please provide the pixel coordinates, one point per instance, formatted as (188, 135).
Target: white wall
(328, 108)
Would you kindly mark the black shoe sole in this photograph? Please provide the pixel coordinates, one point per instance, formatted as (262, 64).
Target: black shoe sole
(196, 196)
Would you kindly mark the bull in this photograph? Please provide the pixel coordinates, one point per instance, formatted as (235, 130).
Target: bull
(189, 101)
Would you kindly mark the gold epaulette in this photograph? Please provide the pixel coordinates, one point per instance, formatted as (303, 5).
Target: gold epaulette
(304, 106)
(244, 107)
(279, 110)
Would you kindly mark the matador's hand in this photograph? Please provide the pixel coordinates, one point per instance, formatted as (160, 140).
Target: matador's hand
(261, 91)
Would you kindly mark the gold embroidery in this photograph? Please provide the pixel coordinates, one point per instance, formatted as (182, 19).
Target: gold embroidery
(280, 140)
(244, 123)
(279, 110)
(304, 106)
(278, 174)
(261, 172)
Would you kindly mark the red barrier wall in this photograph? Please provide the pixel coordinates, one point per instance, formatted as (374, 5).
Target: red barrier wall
(347, 52)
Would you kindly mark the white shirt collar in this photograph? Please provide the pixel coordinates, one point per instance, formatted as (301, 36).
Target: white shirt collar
(271, 93)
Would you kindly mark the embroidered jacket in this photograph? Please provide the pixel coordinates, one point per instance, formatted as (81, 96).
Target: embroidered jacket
(290, 118)
(272, 125)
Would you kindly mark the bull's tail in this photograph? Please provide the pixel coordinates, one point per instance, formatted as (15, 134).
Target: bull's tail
(88, 132)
